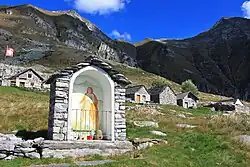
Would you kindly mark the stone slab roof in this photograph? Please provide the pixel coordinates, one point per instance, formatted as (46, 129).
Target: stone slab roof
(134, 89)
(24, 71)
(158, 90)
(182, 95)
(91, 61)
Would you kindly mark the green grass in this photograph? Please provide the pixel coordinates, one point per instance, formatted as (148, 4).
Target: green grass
(21, 109)
(211, 144)
(27, 162)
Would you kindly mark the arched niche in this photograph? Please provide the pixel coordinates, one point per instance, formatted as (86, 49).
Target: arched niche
(103, 88)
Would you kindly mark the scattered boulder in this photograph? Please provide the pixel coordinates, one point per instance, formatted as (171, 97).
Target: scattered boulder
(144, 143)
(10, 157)
(159, 133)
(188, 113)
(172, 111)
(2, 156)
(185, 126)
(153, 110)
(33, 155)
(244, 139)
(181, 116)
(146, 124)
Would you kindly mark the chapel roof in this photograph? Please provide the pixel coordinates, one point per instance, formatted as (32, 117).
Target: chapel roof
(91, 61)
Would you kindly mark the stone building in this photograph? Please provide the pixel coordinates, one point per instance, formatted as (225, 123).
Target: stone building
(137, 94)
(187, 100)
(87, 100)
(27, 79)
(230, 105)
(163, 95)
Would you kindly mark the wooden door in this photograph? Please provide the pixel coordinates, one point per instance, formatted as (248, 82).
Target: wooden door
(186, 105)
(138, 98)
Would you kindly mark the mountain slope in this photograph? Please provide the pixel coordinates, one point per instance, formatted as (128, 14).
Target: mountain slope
(61, 37)
(218, 60)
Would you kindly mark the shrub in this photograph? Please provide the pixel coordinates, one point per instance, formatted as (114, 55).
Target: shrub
(188, 85)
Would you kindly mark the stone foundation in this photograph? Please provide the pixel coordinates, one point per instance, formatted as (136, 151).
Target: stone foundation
(63, 149)
(12, 147)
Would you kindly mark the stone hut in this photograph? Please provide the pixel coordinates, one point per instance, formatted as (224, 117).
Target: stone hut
(230, 105)
(26, 79)
(163, 95)
(87, 100)
(187, 100)
(137, 94)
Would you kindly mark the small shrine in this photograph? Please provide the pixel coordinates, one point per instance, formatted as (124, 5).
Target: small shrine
(87, 103)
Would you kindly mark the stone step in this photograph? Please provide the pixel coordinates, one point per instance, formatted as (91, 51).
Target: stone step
(84, 163)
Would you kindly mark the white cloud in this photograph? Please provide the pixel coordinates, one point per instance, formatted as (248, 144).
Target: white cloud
(99, 6)
(245, 7)
(118, 35)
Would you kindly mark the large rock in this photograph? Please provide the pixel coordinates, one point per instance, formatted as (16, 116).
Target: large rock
(2, 156)
(244, 139)
(33, 155)
(185, 126)
(146, 124)
(144, 143)
(181, 116)
(7, 146)
(24, 150)
(10, 157)
(159, 133)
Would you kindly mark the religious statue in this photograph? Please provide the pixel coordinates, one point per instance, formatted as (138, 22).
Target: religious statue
(89, 113)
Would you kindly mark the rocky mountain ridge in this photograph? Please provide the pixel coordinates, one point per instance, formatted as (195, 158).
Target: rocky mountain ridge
(216, 60)
(59, 37)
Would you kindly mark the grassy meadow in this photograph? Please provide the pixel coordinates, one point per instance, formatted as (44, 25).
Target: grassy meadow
(21, 109)
(211, 144)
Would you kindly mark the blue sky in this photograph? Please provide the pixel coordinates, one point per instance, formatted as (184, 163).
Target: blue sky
(134, 20)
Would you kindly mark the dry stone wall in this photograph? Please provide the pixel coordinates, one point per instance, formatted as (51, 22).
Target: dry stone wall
(12, 147)
(58, 114)
(120, 121)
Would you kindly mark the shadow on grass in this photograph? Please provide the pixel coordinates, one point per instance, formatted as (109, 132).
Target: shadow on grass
(30, 135)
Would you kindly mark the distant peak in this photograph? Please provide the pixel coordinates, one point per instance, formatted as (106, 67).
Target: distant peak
(71, 13)
(224, 20)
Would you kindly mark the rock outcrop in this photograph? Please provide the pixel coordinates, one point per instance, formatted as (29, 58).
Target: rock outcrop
(48, 37)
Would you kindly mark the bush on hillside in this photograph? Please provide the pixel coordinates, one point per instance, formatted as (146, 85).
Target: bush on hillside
(189, 86)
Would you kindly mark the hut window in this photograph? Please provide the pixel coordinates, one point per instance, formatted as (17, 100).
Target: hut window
(29, 75)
